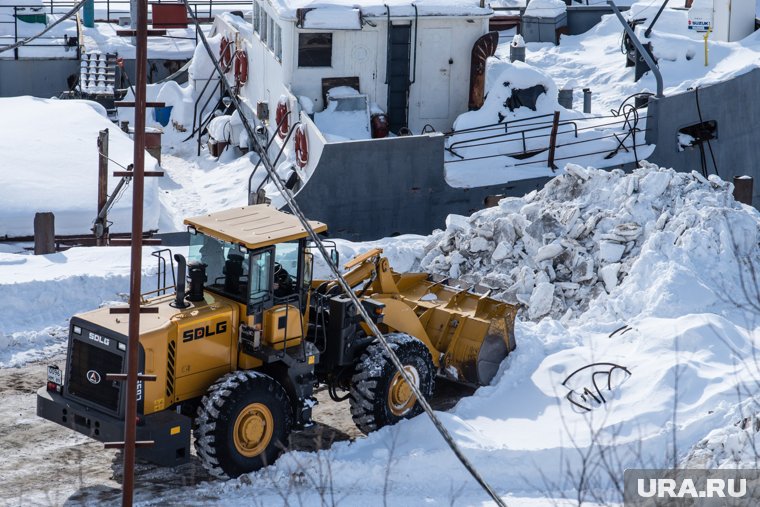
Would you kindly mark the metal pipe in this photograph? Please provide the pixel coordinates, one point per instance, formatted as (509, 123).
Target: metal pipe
(15, 31)
(388, 44)
(266, 150)
(279, 154)
(587, 100)
(133, 343)
(643, 52)
(179, 292)
(656, 17)
(416, 26)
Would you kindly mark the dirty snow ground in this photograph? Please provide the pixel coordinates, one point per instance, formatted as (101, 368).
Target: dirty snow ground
(676, 322)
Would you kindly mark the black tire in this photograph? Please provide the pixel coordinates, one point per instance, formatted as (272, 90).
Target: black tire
(221, 412)
(374, 376)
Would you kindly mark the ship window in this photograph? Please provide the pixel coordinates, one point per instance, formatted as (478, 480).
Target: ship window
(314, 49)
(278, 42)
(270, 31)
(264, 24)
(256, 17)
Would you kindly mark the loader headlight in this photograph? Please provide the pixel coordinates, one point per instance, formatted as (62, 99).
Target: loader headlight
(121, 346)
(77, 330)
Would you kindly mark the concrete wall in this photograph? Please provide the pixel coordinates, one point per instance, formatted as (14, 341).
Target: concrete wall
(40, 78)
(48, 78)
(733, 105)
(370, 189)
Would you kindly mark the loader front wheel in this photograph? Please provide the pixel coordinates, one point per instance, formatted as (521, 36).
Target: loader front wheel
(243, 424)
(379, 394)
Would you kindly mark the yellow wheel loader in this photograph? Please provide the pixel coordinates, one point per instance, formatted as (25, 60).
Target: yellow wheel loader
(240, 346)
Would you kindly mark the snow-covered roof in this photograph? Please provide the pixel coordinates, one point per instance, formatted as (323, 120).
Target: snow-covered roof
(286, 9)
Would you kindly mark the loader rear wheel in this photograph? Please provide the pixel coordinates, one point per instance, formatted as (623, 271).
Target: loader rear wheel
(379, 394)
(243, 424)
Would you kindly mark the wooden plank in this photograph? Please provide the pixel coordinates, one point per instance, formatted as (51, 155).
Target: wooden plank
(120, 445)
(132, 104)
(125, 310)
(129, 174)
(44, 233)
(121, 377)
(133, 33)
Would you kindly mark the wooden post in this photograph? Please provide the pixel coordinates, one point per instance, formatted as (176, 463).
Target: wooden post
(101, 230)
(44, 233)
(743, 189)
(553, 140)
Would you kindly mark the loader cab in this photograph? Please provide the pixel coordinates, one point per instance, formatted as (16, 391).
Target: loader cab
(258, 257)
(258, 278)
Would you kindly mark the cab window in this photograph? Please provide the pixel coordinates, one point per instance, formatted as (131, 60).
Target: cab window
(226, 265)
(261, 277)
(286, 269)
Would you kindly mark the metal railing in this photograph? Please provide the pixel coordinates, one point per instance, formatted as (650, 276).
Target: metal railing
(63, 42)
(113, 9)
(621, 126)
(116, 7)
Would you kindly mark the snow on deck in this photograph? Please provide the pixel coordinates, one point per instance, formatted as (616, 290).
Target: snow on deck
(593, 59)
(49, 162)
(287, 8)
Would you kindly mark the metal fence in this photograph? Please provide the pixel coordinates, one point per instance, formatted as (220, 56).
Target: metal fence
(106, 11)
(45, 41)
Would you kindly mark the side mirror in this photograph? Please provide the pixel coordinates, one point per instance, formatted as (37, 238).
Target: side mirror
(308, 271)
(335, 257)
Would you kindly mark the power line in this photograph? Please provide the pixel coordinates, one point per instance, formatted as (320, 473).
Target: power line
(46, 30)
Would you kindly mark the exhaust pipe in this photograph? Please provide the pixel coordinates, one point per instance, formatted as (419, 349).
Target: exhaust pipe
(196, 272)
(179, 300)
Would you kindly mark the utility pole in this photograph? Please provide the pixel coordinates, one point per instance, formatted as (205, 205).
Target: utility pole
(101, 236)
(130, 416)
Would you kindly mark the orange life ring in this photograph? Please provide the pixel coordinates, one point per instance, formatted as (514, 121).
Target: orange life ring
(281, 117)
(241, 67)
(225, 53)
(302, 147)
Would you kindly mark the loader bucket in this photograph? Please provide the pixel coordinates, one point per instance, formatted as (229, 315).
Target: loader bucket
(472, 332)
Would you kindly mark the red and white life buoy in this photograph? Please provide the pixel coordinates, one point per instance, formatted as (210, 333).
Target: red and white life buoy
(281, 117)
(225, 53)
(241, 67)
(302, 147)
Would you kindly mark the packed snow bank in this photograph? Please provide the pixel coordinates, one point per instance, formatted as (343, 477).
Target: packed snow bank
(41, 292)
(576, 241)
(50, 163)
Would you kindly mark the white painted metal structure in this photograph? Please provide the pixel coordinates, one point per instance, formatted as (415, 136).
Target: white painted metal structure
(439, 62)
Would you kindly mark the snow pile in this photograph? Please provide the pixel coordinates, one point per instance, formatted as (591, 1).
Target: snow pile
(576, 240)
(50, 163)
(508, 138)
(41, 292)
(594, 60)
(346, 115)
(545, 8)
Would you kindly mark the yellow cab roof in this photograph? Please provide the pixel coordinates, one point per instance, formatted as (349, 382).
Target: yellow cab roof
(254, 226)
